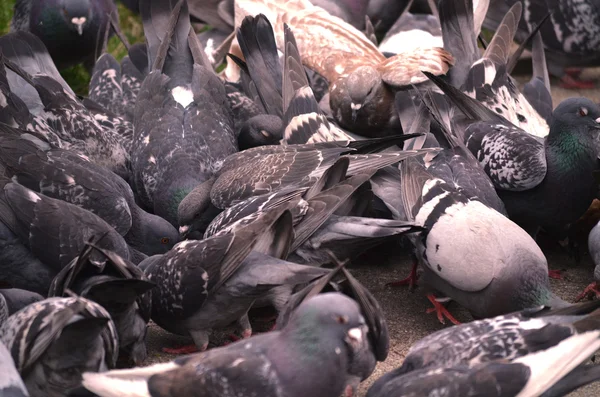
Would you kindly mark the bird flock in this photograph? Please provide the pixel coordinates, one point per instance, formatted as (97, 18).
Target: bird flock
(208, 177)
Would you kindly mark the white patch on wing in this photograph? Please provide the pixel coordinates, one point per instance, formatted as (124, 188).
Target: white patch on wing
(182, 95)
(3, 101)
(410, 40)
(209, 49)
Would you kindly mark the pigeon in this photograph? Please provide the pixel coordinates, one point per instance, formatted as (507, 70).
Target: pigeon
(528, 171)
(569, 38)
(410, 32)
(207, 284)
(15, 299)
(505, 338)
(383, 14)
(360, 77)
(594, 248)
(531, 375)
(264, 169)
(57, 114)
(183, 126)
(486, 77)
(315, 345)
(29, 225)
(68, 176)
(54, 341)
(11, 383)
(375, 347)
(291, 112)
(70, 29)
(119, 286)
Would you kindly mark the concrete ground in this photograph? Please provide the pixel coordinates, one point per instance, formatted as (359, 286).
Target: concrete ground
(405, 310)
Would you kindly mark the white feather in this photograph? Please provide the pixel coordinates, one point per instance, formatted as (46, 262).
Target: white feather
(551, 365)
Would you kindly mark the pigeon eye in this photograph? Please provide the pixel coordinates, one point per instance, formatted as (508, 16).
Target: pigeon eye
(341, 319)
(583, 112)
(165, 240)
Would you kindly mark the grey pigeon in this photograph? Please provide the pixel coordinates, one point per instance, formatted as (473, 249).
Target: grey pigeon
(64, 175)
(57, 114)
(457, 350)
(183, 123)
(11, 384)
(266, 169)
(30, 222)
(309, 357)
(374, 348)
(46, 335)
(202, 285)
(119, 286)
(594, 249)
(575, 47)
(70, 29)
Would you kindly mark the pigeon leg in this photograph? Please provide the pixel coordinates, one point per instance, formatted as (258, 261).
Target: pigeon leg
(200, 338)
(441, 311)
(590, 291)
(244, 324)
(555, 274)
(571, 80)
(411, 280)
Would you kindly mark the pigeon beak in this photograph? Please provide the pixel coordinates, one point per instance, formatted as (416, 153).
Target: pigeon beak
(355, 108)
(354, 337)
(183, 232)
(597, 122)
(78, 22)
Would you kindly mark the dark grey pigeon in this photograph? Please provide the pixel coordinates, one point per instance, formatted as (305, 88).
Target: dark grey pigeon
(457, 350)
(594, 248)
(11, 384)
(70, 29)
(16, 299)
(267, 169)
(68, 176)
(54, 341)
(55, 109)
(533, 176)
(202, 285)
(315, 345)
(183, 123)
(119, 286)
(39, 228)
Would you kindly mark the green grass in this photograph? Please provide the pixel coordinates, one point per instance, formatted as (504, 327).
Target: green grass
(78, 77)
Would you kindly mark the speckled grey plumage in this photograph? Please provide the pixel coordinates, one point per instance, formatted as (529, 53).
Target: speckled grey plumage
(43, 335)
(314, 345)
(119, 286)
(183, 123)
(68, 176)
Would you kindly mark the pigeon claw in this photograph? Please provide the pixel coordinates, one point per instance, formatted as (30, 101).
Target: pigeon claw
(411, 280)
(589, 291)
(441, 311)
(187, 349)
(555, 274)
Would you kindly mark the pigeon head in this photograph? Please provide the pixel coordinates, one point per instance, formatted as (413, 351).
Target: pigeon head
(156, 236)
(77, 14)
(361, 102)
(331, 317)
(576, 115)
(260, 130)
(196, 211)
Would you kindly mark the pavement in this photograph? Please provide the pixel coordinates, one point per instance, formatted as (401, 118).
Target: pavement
(405, 310)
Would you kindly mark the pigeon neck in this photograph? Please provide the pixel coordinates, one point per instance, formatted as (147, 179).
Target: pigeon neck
(569, 145)
(167, 201)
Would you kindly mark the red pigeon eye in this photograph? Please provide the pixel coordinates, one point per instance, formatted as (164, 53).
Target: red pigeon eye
(164, 240)
(583, 112)
(341, 319)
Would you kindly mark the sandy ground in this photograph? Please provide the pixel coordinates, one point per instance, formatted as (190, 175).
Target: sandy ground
(405, 310)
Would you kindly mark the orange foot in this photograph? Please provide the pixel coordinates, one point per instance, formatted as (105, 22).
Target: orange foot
(571, 80)
(411, 280)
(187, 349)
(555, 274)
(441, 311)
(589, 291)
